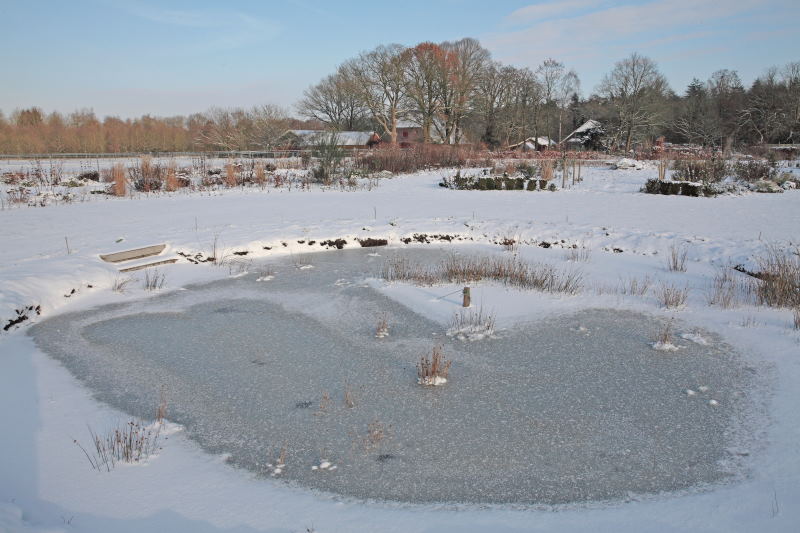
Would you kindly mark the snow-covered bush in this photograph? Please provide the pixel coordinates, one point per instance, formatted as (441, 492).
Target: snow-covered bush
(708, 171)
(754, 171)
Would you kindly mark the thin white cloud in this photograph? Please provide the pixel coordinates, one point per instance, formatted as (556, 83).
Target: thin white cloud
(228, 29)
(581, 32)
(545, 10)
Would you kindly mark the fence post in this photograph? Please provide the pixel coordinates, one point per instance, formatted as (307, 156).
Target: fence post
(467, 298)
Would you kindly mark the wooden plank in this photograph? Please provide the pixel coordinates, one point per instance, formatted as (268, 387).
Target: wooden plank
(148, 265)
(136, 253)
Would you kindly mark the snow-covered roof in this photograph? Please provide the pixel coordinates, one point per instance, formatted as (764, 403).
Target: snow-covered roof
(344, 138)
(586, 126)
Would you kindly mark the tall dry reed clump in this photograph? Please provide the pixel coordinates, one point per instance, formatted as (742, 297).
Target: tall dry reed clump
(419, 157)
(509, 270)
(120, 184)
(230, 175)
(171, 179)
(259, 174)
(547, 170)
(778, 279)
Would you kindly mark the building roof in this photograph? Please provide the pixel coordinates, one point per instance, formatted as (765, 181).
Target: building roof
(343, 138)
(586, 126)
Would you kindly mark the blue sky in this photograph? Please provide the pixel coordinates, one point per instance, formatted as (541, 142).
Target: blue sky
(133, 57)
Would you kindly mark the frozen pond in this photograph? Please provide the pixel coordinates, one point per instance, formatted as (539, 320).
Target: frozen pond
(565, 409)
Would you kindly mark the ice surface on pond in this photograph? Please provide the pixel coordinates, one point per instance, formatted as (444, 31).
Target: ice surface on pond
(564, 409)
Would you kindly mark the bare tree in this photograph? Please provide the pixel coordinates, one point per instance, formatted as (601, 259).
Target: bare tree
(379, 80)
(463, 64)
(423, 64)
(335, 101)
(634, 88)
(559, 86)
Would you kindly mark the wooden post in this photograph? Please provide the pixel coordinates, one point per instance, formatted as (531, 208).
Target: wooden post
(467, 298)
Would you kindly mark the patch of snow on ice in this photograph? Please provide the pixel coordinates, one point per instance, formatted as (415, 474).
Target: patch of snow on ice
(695, 338)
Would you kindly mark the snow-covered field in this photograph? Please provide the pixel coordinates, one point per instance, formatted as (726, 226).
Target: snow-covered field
(50, 259)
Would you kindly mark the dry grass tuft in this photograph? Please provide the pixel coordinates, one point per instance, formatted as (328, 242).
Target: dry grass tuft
(634, 286)
(578, 255)
(726, 288)
(382, 329)
(672, 297)
(796, 315)
(778, 283)
(676, 259)
(471, 324)
(154, 279)
(433, 370)
(120, 285)
(349, 400)
(665, 335)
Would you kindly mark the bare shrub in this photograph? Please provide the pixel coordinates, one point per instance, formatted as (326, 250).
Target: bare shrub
(672, 297)
(147, 176)
(433, 370)
(754, 171)
(778, 279)
(726, 288)
(697, 170)
(154, 279)
(676, 258)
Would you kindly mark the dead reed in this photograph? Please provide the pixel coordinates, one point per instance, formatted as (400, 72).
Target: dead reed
(120, 183)
(778, 279)
(672, 297)
(434, 369)
(509, 270)
(154, 279)
(471, 324)
(382, 329)
(726, 288)
(676, 258)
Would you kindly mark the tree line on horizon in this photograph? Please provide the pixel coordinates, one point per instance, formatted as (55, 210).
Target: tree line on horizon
(456, 93)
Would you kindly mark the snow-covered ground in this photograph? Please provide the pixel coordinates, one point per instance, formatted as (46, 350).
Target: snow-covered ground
(50, 259)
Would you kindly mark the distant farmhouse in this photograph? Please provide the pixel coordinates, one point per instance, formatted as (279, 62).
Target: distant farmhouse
(410, 133)
(533, 144)
(348, 140)
(588, 136)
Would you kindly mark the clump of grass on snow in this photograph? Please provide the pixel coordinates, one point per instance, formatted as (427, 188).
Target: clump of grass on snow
(433, 370)
(778, 283)
(471, 324)
(509, 270)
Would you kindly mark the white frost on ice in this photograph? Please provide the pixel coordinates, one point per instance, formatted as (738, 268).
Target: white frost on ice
(695, 338)
(665, 346)
(435, 381)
